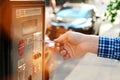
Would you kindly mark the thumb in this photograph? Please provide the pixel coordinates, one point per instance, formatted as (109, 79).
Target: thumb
(62, 38)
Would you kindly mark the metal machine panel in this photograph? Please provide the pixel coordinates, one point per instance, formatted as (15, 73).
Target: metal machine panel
(27, 0)
(27, 45)
(23, 22)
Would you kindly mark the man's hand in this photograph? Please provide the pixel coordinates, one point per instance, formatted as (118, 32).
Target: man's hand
(73, 44)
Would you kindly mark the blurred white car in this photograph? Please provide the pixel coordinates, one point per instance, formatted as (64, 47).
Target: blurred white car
(78, 17)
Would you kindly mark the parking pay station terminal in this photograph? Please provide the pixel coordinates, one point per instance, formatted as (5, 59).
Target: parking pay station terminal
(23, 22)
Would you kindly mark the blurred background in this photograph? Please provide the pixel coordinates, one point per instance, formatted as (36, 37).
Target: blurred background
(84, 16)
(89, 17)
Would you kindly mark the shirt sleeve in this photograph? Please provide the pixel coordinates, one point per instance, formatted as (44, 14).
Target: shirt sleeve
(109, 47)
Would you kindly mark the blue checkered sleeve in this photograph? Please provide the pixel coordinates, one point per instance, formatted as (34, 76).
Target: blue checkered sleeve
(109, 47)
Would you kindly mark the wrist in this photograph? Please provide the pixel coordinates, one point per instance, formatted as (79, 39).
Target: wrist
(92, 42)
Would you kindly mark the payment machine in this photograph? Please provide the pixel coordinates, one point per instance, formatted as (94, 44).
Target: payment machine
(23, 23)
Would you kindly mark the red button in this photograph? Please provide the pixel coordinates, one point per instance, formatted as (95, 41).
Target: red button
(21, 47)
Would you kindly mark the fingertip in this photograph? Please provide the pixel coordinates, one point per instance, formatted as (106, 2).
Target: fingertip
(63, 53)
(57, 49)
(57, 44)
(55, 40)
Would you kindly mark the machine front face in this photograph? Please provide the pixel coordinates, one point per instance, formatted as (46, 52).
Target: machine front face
(27, 47)
(27, 0)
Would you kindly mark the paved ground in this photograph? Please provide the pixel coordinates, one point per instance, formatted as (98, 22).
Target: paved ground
(89, 67)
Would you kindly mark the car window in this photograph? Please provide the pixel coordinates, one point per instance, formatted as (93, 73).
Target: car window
(84, 12)
(69, 12)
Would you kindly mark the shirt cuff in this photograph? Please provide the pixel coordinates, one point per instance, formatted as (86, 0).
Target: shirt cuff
(109, 48)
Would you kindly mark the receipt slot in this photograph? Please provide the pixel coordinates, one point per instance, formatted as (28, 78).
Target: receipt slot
(23, 22)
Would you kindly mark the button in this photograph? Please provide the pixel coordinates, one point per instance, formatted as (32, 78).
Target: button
(36, 55)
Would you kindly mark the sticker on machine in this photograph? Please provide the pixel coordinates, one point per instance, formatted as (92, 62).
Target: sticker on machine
(21, 47)
(26, 12)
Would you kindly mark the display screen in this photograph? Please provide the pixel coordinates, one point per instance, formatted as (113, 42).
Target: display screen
(29, 26)
(26, 12)
(28, 20)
